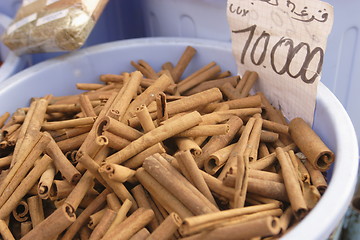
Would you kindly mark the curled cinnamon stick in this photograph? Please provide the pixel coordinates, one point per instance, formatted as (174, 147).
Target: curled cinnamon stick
(46, 181)
(316, 177)
(22, 189)
(83, 217)
(69, 172)
(53, 225)
(117, 172)
(309, 143)
(118, 128)
(20, 212)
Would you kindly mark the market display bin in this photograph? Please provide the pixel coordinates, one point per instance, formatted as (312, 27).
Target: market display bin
(11, 63)
(58, 77)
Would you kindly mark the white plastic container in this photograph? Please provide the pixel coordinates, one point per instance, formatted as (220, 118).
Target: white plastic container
(11, 63)
(207, 19)
(58, 77)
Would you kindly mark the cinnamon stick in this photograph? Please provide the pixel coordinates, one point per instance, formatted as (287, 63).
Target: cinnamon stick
(309, 143)
(162, 195)
(136, 221)
(46, 181)
(53, 225)
(117, 172)
(183, 62)
(292, 185)
(83, 217)
(138, 159)
(158, 86)
(113, 202)
(159, 134)
(20, 211)
(68, 123)
(25, 185)
(120, 216)
(36, 210)
(3, 118)
(25, 227)
(248, 84)
(242, 81)
(69, 172)
(185, 85)
(5, 231)
(178, 189)
(118, 128)
(212, 84)
(140, 235)
(218, 142)
(103, 225)
(253, 228)
(86, 106)
(143, 201)
(316, 177)
(167, 228)
(196, 224)
(195, 174)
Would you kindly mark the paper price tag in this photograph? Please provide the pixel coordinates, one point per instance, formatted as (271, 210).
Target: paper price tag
(284, 41)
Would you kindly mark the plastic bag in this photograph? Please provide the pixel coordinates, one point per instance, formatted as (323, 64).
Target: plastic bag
(52, 25)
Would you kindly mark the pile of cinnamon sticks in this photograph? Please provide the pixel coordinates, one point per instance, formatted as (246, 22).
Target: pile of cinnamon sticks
(157, 155)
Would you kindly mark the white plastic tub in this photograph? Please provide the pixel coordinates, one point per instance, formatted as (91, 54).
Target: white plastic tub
(58, 76)
(11, 63)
